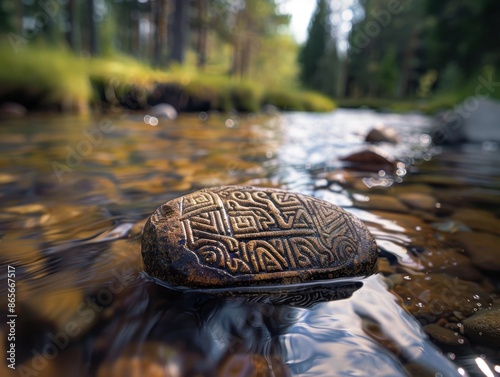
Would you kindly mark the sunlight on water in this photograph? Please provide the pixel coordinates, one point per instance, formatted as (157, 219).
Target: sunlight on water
(75, 200)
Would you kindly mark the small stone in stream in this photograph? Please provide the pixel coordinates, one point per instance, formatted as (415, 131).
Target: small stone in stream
(12, 109)
(482, 248)
(420, 201)
(484, 327)
(380, 134)
(432, 296)
(381, 202)
(480, 220)
(245, 236)
(371, 159)
(163, 110)
(444, 336)
(245, 364)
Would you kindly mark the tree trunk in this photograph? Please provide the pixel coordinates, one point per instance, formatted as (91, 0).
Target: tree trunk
(180, 29)
(92, 28)
(19, 17)
(71, 30)
(236, 65)
(160, 32)
(407, 60)
(343, 75)
(201, 47)
(246, 55)
(238, 37)
(133, 33)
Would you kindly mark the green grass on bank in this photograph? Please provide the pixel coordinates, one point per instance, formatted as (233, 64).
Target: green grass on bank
(41, 77)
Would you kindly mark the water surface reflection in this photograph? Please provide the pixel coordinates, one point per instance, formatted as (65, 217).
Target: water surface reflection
(73, 208)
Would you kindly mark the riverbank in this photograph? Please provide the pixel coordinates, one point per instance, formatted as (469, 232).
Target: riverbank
(57, 80)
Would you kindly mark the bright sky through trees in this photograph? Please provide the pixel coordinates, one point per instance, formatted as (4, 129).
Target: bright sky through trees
(301, 12)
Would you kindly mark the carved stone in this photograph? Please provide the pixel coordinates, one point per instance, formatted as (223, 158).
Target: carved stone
(245, 236)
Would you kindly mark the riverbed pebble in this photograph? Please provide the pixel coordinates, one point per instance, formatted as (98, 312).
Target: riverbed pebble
(381, 133)
(444, 336)
(420, 201)
(477, 219)
(380, 202)
(237, 236)
(371, 159)
(482, 248)
(431, 296)
(484, 327)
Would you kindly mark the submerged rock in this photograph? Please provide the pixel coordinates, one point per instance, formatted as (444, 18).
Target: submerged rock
(371, 159)
(420, 201)
(382, 134)
(484, 327)
(433, 296)
(163, 110)
(482, 248)
(244, 236)
(444, 336)
(12, 109)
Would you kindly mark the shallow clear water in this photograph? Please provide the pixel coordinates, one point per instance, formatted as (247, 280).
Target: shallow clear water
(75, 194)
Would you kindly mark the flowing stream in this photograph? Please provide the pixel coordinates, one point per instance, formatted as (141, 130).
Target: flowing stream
(76, 192)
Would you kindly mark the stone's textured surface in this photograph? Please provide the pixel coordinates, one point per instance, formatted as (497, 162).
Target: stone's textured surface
(484, 327)
(237, 236)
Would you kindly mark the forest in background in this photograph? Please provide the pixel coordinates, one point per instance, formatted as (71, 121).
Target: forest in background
(225, 54)
(402, 49)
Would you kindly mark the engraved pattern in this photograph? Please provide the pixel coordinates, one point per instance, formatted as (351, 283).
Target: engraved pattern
(253, 231)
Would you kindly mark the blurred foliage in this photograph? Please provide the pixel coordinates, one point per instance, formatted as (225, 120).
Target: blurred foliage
(225, 54)
(429, 53)
(239, 54)
(317, 45)
(54, 78)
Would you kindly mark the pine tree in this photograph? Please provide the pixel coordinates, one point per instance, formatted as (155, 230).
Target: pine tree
(316, 46)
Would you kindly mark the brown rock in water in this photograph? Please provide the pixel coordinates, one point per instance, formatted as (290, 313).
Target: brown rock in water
(484, 327)
(245, 236)
(420, 201)
(12, 109)
(381, 202)
(482, 248)
(380, 134)
(444, 336)
(480, 220)
(432, 296)
(371, 159)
